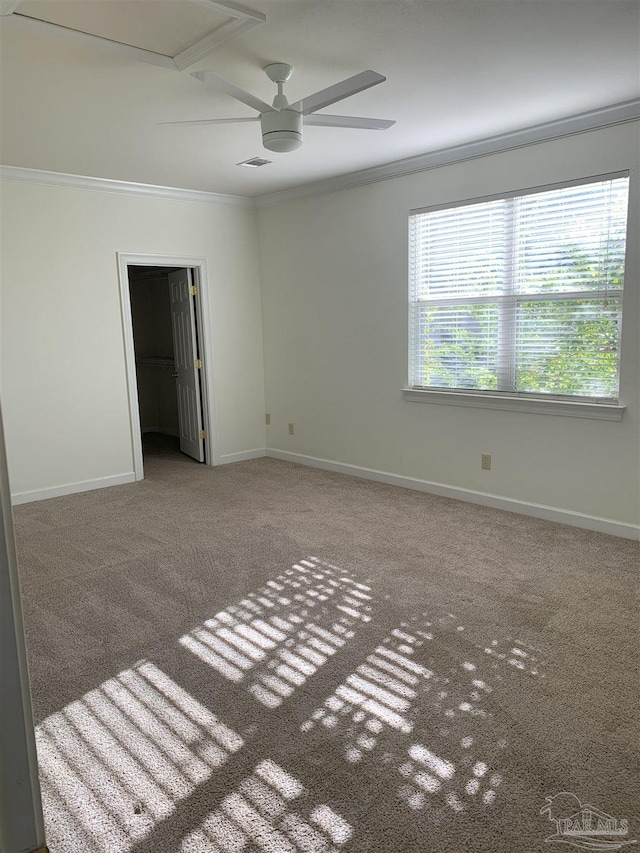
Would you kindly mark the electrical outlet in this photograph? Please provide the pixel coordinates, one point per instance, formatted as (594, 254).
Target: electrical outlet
(486, 461)
(290, 429)
(267, 419)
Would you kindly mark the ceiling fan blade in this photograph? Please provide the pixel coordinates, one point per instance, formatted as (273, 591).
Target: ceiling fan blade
(348, 87)
(231, 89)
(213, 121)
(349, 121)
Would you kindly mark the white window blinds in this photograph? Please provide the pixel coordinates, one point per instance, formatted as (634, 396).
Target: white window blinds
(521, 294)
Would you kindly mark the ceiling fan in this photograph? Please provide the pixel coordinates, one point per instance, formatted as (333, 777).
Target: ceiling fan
(282, 122)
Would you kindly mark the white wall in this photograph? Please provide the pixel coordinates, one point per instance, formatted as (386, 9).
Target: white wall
(63, 386)
(334, 294)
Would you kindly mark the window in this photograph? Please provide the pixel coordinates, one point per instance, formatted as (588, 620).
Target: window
(521, 296)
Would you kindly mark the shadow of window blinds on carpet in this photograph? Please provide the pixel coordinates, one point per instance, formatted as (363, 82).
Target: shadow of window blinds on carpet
(117, 761)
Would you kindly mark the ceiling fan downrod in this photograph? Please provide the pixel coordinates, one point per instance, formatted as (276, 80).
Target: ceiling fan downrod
(281, 127)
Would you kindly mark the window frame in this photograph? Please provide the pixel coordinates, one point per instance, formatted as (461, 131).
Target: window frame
(571, 406)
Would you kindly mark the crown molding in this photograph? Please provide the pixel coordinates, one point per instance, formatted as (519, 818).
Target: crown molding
(105, 185)
(615, 114)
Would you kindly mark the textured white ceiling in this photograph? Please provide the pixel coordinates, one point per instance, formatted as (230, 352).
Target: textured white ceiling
(165, 26)
(458, 70)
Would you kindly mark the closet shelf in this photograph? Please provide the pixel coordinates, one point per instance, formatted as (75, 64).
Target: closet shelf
(157, 361)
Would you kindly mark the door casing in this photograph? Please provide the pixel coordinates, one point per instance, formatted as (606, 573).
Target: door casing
(203, 319)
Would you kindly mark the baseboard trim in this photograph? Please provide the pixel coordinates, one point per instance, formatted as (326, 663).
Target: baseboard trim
(226, 458)
(548, 513)
(72, 488)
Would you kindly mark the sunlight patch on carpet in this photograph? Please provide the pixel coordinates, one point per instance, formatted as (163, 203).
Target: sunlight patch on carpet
(414, 709)
(280, 636)
(272, 811)
(116, 761)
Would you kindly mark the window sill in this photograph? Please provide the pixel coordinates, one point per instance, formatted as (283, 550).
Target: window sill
(566, 408)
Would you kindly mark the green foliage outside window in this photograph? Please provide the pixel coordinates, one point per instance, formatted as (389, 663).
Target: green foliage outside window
(561, 346)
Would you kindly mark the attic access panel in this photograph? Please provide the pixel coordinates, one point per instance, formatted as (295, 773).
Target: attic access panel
(174, 33)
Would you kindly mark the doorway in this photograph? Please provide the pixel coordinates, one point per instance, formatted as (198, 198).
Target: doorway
(167, 349)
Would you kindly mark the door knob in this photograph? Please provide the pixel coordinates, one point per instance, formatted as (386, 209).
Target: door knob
(174, 375)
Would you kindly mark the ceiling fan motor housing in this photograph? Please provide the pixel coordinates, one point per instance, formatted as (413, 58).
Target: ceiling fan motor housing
(281, 130)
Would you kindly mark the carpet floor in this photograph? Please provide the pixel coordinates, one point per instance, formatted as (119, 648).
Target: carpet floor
(268, 657)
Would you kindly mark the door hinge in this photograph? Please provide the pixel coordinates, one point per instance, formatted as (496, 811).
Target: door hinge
(198, 364)
(203, 433)
(193, 290)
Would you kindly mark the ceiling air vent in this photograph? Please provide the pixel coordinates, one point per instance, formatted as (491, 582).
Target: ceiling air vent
(254, 162)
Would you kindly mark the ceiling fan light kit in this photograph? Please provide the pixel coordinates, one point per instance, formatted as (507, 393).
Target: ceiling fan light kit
(281, 130)
(282, 122)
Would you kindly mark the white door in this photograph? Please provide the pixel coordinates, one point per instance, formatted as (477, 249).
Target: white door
(187, 365)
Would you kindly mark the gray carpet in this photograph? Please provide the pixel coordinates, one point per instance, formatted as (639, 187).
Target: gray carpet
(267, 657)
